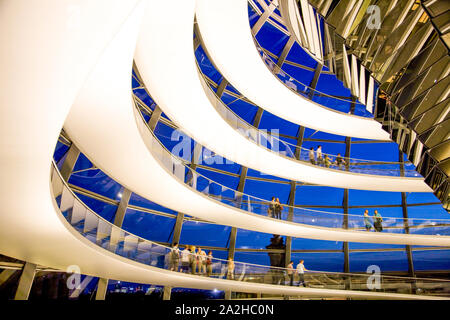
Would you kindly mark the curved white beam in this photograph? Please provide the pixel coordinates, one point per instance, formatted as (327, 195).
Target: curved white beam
(74, 249)
(103, 125)
(225, 30)
(47, 50)
(102, 263)
(168, 54)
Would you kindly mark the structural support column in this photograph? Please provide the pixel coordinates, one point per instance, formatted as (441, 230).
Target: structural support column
(240, 188)
(263, 18)
(291, 201)
(300, 135)
(118, 221)
(285, 52)
(408, 248)
(6, 274)
(231, 252)
(406, 226)
(290, 217)
(122, 208)
(102, 286)
(353, 105)
(221, 88)
(345, 206)
(177, 228)
(175, 239)
(232, 243)
(69, 162)
(153, 121)
(25, 281)
(315, 79)
(167, 292)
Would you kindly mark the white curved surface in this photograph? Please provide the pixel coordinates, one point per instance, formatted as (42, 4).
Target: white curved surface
(103, 125)
(168, 54)
(225, 30)
(102, 263)
(48, 48)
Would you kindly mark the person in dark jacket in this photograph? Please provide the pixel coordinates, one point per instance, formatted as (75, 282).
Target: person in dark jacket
(174, 259)
(340, 161)
(272, 208)
(377, 221)
(278, 209)
(312, 156)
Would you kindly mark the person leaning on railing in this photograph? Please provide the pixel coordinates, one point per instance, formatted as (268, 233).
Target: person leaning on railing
(278, 208)
(301, 273)
(319, 155)
(327, 161)
(185, 255)
(290, 272)
(209, 258)
(312, 156)
(272, 208)
(201, 261)
(174, 259)
(367, 222)
(193, 260)
(230, 269)
(340, 161)
(377, 221)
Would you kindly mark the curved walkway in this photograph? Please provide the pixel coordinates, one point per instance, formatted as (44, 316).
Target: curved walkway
(244, 277)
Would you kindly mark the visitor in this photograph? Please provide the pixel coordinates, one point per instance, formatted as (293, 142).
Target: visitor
(312, 157)
(290, 272)
(209, 263)
(230, 269)
(201, 261)
(319, 155)
(340, 161)
(193, 260)
(367, 222)
(326, 161)
(377, 221)
(301, 273)
(174, 259)
(271, 209)
(278, 208)
(185, 254)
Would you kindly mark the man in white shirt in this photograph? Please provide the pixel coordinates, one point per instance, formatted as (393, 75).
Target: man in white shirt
(301, 273)
(185, 260)
(201, 261)
(319, 155)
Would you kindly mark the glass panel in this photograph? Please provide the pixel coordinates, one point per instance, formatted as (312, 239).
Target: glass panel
(204, 234)
(331, 218)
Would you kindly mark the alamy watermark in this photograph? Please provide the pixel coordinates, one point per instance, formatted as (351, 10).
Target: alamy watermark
(268, 139)
(374, 280)
(374, 20)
